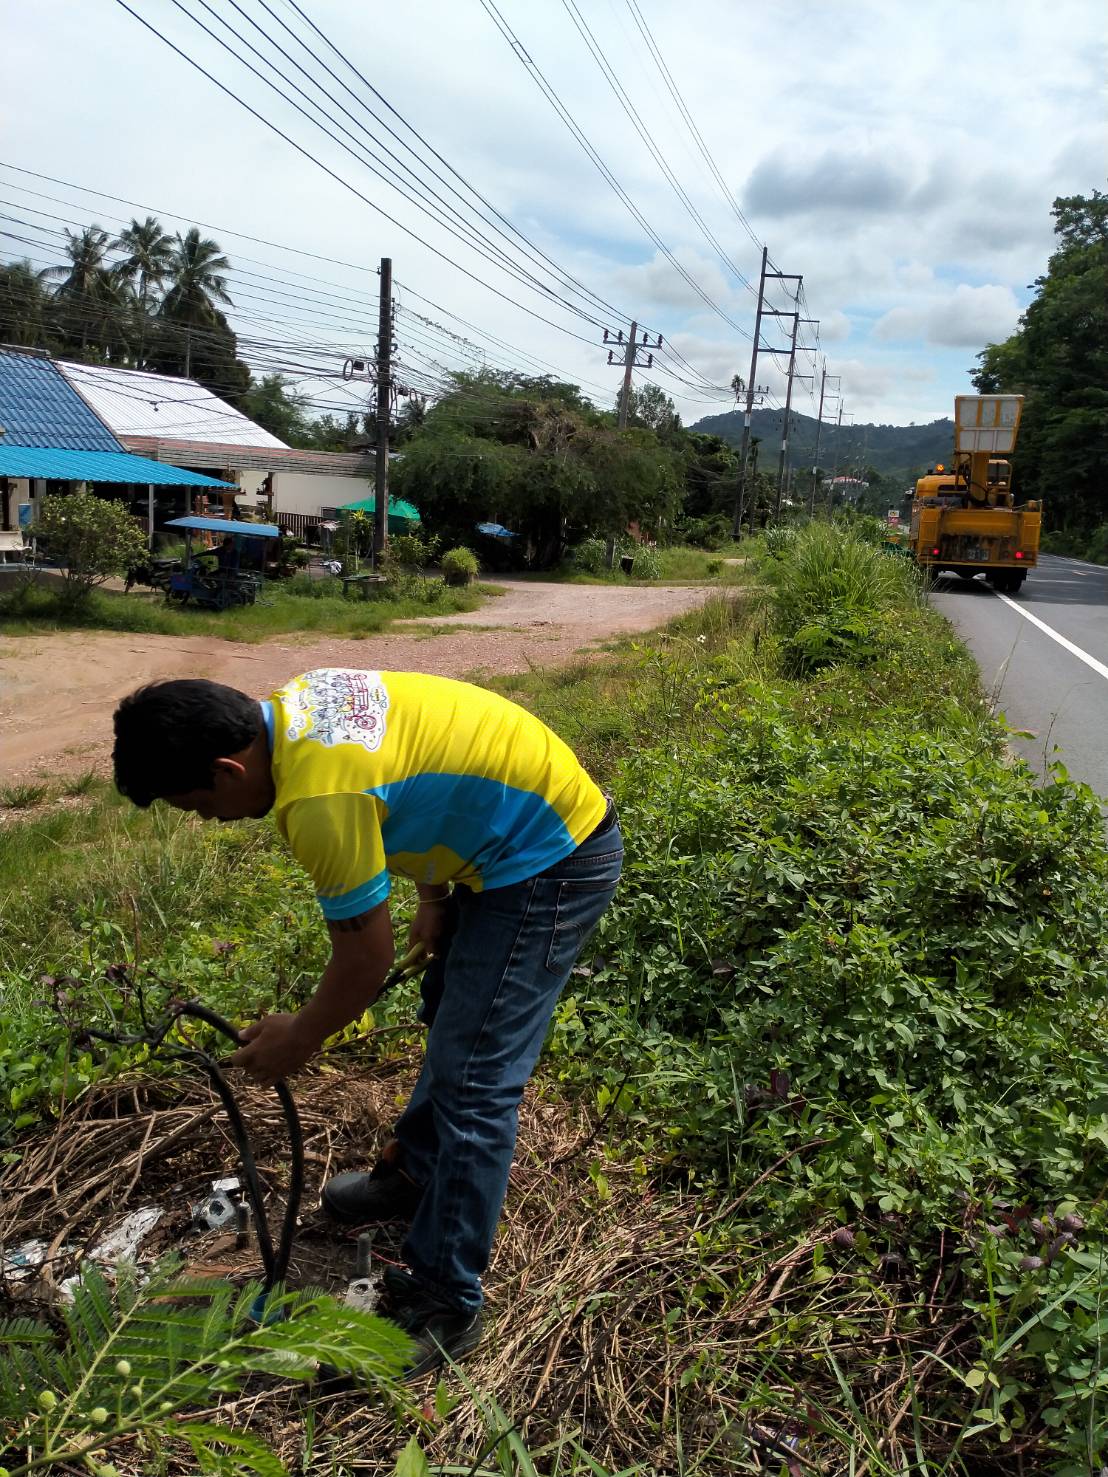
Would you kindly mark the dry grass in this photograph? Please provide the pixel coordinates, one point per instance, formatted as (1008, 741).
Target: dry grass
(629, 1318)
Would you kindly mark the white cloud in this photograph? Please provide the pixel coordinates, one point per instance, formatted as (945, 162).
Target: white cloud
(834, 327)
(860, 160)
(968, 317)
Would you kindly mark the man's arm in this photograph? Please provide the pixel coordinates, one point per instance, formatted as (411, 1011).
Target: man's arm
(362, 953)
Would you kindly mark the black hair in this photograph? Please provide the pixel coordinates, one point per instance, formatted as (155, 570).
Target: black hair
(168, 736)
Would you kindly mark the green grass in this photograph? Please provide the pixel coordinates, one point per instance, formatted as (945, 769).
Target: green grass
(855, 976)
(22, 797)
(278, 612)
(677, 564)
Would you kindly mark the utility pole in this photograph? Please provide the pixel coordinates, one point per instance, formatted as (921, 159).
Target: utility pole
(797, 321)
(835, 462)
(628, 365)
(740, 499)
(384, 395)
(752, 388)
(819, 430)
(630, 361)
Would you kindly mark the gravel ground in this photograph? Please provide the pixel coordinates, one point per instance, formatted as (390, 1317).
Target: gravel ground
(57, 691)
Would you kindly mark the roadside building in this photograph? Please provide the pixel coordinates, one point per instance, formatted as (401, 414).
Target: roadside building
(51, 440)
(176, 420)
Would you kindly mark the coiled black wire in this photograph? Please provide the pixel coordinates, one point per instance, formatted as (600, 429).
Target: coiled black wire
(275, 1263)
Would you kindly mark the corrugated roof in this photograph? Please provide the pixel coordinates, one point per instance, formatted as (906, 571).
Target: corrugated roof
(95, 466)
(134, 402)
(39, 407)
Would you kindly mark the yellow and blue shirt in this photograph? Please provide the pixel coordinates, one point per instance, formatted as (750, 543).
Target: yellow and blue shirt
(437, 780)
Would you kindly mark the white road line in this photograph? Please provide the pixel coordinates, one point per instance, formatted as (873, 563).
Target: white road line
(1082, 656)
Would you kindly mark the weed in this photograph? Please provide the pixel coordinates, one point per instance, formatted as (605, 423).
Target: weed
(22, 797)
(79, 784)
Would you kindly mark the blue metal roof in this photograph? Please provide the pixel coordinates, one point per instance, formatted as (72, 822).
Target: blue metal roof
(95, 466)
(39, 407)
(225, 525)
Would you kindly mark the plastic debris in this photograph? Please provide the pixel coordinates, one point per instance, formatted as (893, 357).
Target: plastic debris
(20, 1261)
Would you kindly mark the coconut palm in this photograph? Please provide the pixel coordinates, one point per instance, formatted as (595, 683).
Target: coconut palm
(197, 286)
(23, 303)
(83, 283)
(146, 264)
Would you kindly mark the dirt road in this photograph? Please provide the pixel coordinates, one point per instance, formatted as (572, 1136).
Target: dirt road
(57, 691)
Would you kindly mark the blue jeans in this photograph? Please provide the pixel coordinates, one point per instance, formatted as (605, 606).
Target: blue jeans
(488, 1005)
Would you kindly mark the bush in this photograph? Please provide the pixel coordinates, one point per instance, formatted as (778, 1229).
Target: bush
(646, 565)
(459, 566)
(92, 539)
(590, 556)
(410, 551)
(778, 540)
(830, 593)
(712, 533)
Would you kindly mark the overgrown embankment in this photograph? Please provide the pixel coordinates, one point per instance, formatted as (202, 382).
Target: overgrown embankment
(847, 1012)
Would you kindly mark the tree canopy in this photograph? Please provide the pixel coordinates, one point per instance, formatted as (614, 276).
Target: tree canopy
(533, 454)
(1058, 359)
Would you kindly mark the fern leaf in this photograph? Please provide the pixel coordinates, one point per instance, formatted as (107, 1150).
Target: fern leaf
(331, 1333)
(246, 1456)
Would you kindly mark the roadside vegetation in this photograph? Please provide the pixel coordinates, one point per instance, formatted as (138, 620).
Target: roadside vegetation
(283, 607)
(812, 1178)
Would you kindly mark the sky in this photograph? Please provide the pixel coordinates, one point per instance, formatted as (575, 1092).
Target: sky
(901, 158)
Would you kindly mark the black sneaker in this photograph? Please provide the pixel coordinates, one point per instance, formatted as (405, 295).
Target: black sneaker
(438, 1329)
(358, 1198)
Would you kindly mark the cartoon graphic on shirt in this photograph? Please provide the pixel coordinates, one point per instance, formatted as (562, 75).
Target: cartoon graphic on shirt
(336, 705)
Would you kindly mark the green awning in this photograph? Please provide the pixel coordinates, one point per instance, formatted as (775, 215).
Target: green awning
(399, 510)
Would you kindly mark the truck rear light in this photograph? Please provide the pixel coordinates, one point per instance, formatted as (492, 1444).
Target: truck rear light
(1018, 554)
(935, 552)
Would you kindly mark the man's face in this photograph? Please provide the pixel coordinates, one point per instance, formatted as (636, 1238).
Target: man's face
(235, 794)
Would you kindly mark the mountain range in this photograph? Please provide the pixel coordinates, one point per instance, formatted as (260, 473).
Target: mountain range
(902, 453)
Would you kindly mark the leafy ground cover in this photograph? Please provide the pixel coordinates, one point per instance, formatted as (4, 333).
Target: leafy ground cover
(666, 564)
(841, 1040)
(299, 604)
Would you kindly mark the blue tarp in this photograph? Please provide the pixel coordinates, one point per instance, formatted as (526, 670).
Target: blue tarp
(60, 465)
(225, 525)
(496, 530)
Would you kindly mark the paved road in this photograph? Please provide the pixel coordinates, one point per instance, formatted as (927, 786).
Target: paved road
(1037, 682)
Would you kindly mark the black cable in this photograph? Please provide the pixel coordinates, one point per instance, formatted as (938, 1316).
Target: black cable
(463, 230)
(275, 1264)
(300, 149)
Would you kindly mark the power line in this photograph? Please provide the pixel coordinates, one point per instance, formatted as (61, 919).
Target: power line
(567, 118)
(353, 189)
(667, 77)
(608, 72)
(414, 190)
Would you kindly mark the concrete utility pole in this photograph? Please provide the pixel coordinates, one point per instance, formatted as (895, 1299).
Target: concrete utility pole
(819, 430)
(752, 388)
(740, 497)
(384, 395)
(797, 321)
(630, 361)
(628, 365)
(835, 462)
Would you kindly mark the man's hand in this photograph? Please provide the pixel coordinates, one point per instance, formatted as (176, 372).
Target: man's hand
(429, 924)
(278, 1046)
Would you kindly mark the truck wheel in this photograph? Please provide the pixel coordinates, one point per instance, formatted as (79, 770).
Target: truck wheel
(1008, 583)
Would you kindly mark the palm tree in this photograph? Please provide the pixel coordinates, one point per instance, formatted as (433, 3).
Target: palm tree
(148, 258)
(197, 286)
(81, 284)
(738, 384)
(23, 302)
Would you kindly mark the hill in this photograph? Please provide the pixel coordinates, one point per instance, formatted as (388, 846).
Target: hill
(900, 452)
